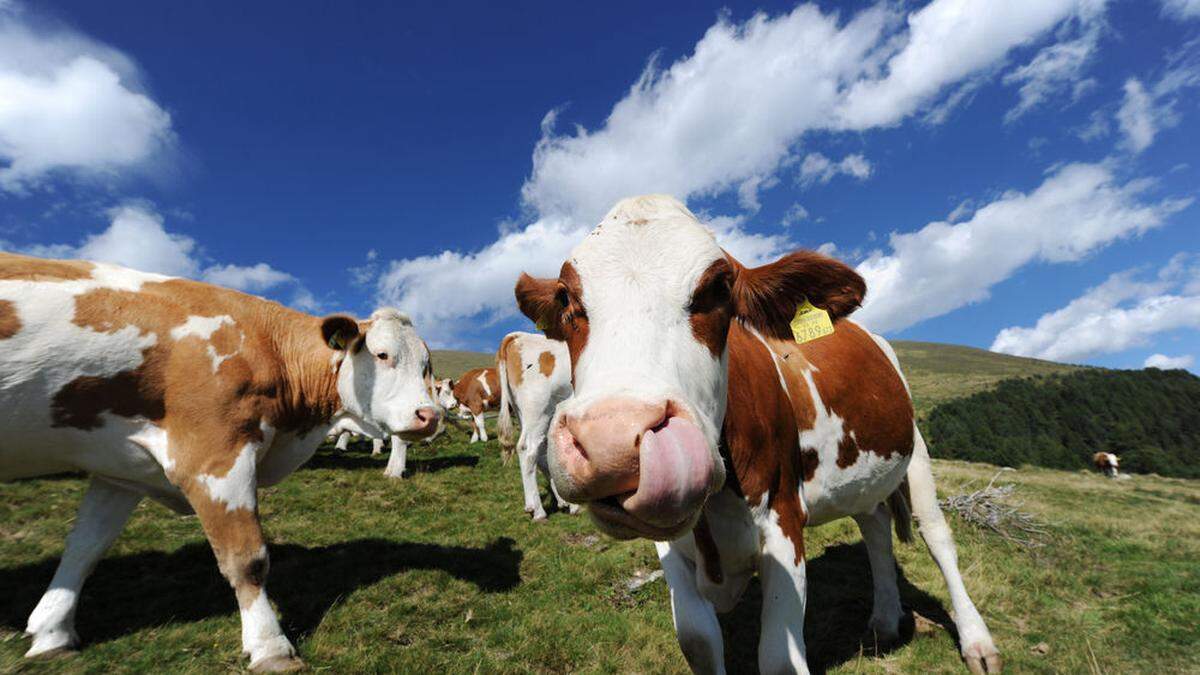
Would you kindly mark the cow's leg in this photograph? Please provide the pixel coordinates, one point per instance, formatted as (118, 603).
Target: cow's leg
(696, 625)
(475, 423)
(398, 460)
(228, 509)
(376, 446)
(784, 588)
(343, 440)
(480, 426)
(978, 649)
(528, 461)
(102, 516)
(876, 528)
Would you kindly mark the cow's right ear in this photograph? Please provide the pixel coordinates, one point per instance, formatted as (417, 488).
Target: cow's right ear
(339, 331)
(766, 297)
(538, 300)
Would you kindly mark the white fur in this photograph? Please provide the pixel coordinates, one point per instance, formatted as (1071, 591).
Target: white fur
(235, 489)
(200, 326)
(398, 459)
(386, 393)
(262, 638)
(483, 381)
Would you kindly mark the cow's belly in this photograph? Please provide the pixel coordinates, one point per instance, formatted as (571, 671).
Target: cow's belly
(836, 492)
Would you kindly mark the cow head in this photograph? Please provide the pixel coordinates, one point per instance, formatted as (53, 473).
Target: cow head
(644, 304)
(382, 379)
(444, 390)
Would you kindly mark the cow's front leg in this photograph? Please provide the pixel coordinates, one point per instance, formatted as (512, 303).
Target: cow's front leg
(102, 515)
(376, 446)
(480, 427)
(343, 440)
(226, 502)
(876, 528)
(696, 625)
(784, 588)
(398, 460)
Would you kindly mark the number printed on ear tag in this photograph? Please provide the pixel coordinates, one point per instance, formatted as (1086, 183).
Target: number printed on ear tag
(810, 323)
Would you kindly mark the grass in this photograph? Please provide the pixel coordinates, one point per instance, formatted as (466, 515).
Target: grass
(450, 363)
(443, 572)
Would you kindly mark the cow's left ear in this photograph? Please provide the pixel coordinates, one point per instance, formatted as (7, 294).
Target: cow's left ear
(339, 331)
(766, 297)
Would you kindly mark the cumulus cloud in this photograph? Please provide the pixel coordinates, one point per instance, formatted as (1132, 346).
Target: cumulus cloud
(69, 103)
(1164, 362)
(1181, 9)
(728, 118)
(137, 238)
(796, 214)
(1148, 109)
(818, 168)
(1055, 69)
(1077, 209)
(1125, 311)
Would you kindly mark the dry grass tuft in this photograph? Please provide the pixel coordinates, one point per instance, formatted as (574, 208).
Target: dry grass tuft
(993, 508)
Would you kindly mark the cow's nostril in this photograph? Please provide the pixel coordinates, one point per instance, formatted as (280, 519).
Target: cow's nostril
(579, 447)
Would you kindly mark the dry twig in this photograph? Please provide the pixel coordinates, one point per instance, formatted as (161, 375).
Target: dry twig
(993, 508)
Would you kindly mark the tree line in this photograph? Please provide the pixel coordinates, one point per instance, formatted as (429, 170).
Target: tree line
(1150, 418)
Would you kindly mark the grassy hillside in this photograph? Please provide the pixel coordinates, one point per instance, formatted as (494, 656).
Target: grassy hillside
(936, 372)
(443, 572)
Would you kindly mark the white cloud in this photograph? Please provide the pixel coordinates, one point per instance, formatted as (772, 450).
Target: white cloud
(818, 168)
(1181, 9)
(1121, 313)
(1077, 209)
(1055, 69)
(728, 118)
(136, 238)
(1164, 362)
(796, 214)
(1137, 117)
(1147, 110)
(68, 103)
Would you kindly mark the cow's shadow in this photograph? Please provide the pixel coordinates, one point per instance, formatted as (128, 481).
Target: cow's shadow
(354, 460)
(133, 592)
(840, 596)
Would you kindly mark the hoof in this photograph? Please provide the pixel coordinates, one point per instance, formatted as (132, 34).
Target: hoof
(395, 476)
(52, 653)
(982, 658)
(53, 644)
(277, 664)
(879, 640)
(539, 517)
(573, 508)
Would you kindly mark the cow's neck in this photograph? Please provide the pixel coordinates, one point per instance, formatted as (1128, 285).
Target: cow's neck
(308, 395)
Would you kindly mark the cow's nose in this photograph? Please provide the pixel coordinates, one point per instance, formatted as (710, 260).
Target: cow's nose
(599, 447)
(425, 421)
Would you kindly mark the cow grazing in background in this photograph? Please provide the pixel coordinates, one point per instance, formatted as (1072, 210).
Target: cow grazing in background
(1106, 463)
(700, 421)
(535, 376)
(192, 395)
(476, 392)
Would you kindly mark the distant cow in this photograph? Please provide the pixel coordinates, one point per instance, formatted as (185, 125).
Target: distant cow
(702, 420)
(476, 392)
(535, 376)
(192, 395)
(1106, 463)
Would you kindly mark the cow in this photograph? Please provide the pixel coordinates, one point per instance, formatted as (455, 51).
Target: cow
(700, 421)
(476, 392)
(1106, 463)
(535, 376)
(192, 395)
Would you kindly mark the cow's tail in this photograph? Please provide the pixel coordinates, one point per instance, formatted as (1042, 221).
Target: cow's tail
(504, 423)
(898, 504)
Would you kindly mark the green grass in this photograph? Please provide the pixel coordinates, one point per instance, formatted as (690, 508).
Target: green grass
(443, 572)
(450, 363)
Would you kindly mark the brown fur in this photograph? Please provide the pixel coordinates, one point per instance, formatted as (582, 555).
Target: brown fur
(556, 305)
(10, 323)
(710, 309)
(546, 363)
(470, 393)
(511, 356)
(26, 268)
(766, 297)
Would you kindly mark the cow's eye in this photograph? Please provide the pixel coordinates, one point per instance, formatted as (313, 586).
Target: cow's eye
(382, 356)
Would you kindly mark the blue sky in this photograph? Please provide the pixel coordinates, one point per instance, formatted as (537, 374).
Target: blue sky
(1017, 176)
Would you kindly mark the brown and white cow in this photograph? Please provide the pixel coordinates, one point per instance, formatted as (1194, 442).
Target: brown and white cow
(476, 392)
(535, 376)
(697, 421)
(1106, 463)
(192, 395)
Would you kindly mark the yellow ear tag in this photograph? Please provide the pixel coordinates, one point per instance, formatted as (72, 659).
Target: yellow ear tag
(810, 323)
(542, 325)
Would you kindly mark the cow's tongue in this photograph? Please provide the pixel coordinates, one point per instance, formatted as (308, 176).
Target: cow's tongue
(674, 476)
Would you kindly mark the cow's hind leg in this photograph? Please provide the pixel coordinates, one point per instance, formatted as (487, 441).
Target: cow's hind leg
(481, 427)
(227, 505)
(696, 625)
(102, 516)
(978, 649)
(343, 440)
(885, 613)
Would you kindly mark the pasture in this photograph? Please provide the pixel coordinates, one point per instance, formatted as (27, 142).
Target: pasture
(443, 572)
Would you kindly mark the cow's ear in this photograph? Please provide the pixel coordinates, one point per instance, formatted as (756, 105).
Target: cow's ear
(766, 297)
(339, 331)
(538, 300)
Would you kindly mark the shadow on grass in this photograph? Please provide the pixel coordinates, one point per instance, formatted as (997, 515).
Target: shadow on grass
(840, 596)
(356, 461)
(133, 592)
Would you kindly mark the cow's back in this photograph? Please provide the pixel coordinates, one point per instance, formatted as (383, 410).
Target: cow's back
(832, 413)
